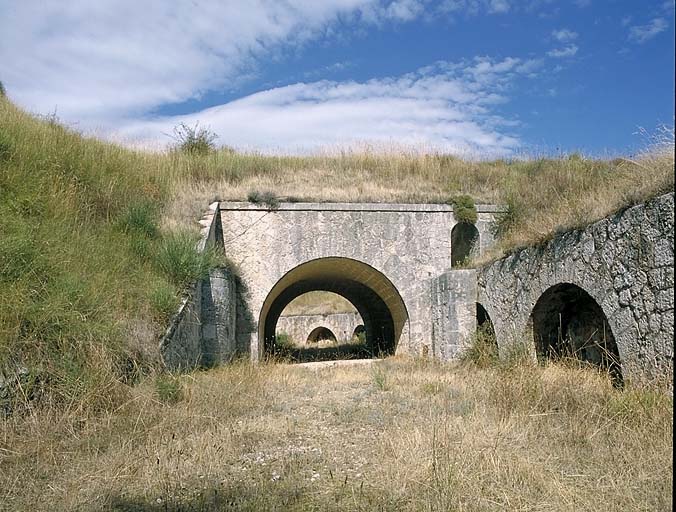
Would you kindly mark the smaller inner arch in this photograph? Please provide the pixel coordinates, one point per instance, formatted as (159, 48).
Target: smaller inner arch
(321, 334)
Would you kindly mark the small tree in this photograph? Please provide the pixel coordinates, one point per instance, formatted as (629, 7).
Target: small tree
(3, 91)
(194, 140)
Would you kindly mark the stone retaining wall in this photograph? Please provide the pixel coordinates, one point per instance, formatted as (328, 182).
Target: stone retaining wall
(624, 262)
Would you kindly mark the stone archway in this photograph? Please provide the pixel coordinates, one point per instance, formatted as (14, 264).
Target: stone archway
(373, 295)
(321, 334)
(566, 321)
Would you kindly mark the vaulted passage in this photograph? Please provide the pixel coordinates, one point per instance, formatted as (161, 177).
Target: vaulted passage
(464, 240)
(372, 294)
(568, 322)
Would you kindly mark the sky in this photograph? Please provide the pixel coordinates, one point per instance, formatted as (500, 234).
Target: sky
(476, 78)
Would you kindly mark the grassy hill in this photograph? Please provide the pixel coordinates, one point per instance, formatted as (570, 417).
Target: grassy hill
(95, 239)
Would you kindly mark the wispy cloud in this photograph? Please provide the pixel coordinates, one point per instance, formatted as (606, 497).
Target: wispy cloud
(447, 106)
(643, 33)
(98, 61)
(564, 35)
(562, 53)
(499, 6)
(474, 7)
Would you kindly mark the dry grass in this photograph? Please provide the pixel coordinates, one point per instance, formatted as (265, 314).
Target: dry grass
(543, 195)
(396, 435)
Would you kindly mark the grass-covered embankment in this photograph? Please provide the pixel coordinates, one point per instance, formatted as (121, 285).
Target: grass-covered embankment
(86, 277)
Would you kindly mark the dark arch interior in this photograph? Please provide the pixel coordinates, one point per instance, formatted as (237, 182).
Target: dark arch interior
(359, 331)
(321, 334)
(483, 321)
(568, 322)
(378, 321)
(464, 239)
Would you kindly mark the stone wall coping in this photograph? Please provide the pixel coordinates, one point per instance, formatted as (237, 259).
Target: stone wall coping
(356, 207)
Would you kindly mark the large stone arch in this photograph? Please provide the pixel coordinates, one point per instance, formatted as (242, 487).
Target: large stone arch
(374, 296)
(568, 322)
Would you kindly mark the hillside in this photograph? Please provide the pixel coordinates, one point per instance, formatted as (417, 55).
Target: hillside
(95, 238)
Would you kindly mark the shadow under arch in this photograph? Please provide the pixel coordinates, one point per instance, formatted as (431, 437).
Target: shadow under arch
(320, 334)
(464, 242)
(568, 322)
(373, 295)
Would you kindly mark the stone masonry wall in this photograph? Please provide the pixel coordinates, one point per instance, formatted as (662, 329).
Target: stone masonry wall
(202, 332)
(453, 313)
(409, 244)
(624, 262)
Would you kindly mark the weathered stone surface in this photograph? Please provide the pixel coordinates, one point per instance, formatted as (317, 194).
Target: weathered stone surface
(453, 313)
(403, 244)
(625, 263)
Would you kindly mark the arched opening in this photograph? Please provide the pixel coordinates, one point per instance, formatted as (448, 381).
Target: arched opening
(568, 322)
(321, 334)
(374, 296)
(359, 332)
(485, 343)
(483, 321)
(464, 243)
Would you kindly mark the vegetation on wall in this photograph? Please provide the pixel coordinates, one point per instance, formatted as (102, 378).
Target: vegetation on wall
(464, 209)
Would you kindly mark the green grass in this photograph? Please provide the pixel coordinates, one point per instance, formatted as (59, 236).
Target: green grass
(86, 274)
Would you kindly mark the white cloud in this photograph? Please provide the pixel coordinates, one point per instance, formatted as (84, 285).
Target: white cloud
(498, 6)
(474, 7)
(98, 61)
(449, 107)
(562, 53)
(643, 33)
(564, 35)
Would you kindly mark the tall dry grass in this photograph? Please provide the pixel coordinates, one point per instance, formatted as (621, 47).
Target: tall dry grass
(395, 435)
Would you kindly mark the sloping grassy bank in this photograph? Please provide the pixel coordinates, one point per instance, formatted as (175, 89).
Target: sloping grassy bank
(92, 257)
(86, 276)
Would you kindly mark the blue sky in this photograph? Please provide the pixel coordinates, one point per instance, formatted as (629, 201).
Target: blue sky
(472, 77)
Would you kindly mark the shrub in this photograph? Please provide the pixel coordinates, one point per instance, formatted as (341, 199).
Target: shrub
(511, 218)
(464, 209)
(483, 352)
(194, 140)
(178, 258)
(266, 198)
(3, 91)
